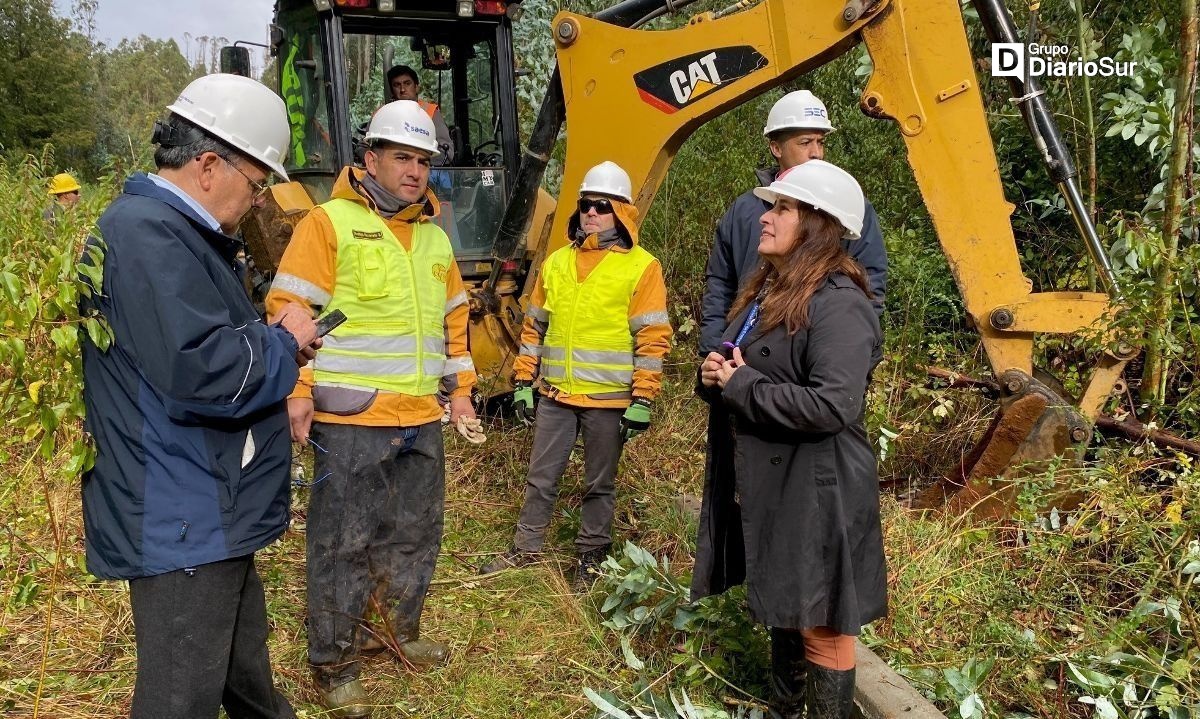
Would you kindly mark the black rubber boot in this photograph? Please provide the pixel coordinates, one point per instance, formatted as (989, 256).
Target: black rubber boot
(788, 671)
(830, 693)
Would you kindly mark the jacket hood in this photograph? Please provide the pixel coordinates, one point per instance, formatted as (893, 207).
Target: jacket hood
(626, 224)
(766, 175)
(348, 186)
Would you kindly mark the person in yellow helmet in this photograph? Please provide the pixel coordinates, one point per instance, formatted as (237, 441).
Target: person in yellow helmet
(65, 190)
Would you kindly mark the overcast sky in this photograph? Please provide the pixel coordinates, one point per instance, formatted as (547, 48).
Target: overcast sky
(117, 20)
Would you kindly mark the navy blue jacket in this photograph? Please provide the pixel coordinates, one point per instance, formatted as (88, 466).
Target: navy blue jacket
(734, 257)
(187, 406)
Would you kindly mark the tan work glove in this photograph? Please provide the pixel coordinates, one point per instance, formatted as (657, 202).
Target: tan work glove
(472, 429)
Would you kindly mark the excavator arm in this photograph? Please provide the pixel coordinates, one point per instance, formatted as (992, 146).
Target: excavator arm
(653, 89)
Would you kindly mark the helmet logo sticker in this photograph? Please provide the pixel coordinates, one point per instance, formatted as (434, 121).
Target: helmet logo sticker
(677, 83)
(415, 129)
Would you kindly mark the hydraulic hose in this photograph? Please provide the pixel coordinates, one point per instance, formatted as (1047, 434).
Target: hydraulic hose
(1030, 98)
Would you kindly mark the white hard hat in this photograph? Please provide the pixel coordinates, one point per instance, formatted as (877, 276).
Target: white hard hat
(826, 187)
(799, 110)
(244, 113)
(404, 123)
(608, 178)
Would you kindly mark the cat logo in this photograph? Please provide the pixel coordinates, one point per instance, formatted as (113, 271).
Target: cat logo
(674, 85)
(700, 79)
(439, 272)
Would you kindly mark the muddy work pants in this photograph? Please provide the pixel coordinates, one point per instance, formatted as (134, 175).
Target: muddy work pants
(554, 434)
(374, 528)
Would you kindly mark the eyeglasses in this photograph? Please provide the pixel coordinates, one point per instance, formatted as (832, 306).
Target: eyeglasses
(601, 206)
(257, 188)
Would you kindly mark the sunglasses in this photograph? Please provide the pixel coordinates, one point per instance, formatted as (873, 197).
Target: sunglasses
(257, 188)
(601, 206)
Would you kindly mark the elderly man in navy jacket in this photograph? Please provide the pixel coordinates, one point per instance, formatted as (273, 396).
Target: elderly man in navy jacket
(187, 407)
(795, 131)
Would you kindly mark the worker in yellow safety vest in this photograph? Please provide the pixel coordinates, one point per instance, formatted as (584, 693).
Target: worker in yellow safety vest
(375, 508)
(405, 85)
(595, 336)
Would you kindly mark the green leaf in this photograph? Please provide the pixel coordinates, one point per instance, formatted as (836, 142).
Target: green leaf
(1090, 678)
(971, 707)
(631, 659)
(603, 705)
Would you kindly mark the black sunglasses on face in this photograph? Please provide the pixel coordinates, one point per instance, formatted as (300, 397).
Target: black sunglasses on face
(601, 206)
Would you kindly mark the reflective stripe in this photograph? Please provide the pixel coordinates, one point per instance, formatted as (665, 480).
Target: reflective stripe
(651, 363)
(378, 366)
(301, 288)
(531, 350)
(434, 367)
(558, 354)
(374, 345)
(538, 313)
(611, 395)
(458, 364)
(554, 371)
(601, 357)
(608, 376)
(647, 319)
(456, 301)
(391, 344)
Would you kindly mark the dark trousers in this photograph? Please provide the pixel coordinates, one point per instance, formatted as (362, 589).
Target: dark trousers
(202, 644)
(374, 528)
(554, 435)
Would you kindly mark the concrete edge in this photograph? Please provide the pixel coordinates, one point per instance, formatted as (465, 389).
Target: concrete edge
(881, 693)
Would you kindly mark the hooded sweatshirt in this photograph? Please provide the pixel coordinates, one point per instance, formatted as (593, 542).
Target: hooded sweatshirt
(308, 270)
(647, 312)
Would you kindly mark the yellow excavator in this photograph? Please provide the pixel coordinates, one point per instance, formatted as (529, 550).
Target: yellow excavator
(663, 85)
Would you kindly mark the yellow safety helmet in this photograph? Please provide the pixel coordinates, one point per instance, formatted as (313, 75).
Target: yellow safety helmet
(63, 183)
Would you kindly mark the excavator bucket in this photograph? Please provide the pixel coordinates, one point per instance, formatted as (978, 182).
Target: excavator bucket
(1034, 429)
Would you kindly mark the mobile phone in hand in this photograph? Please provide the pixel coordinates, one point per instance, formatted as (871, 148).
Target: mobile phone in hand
(326, 324)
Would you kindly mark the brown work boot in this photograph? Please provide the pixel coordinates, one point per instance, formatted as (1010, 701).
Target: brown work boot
(345, 701)
(589, 569)
(425, 653)
(511, 559)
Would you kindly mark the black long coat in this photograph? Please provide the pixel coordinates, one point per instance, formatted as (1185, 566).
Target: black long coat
(791, 495)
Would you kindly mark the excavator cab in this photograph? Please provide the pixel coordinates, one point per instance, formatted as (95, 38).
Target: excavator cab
(333, 57)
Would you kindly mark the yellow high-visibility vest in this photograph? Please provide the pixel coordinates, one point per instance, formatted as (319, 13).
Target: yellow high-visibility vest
(588, 348)
(394, 300)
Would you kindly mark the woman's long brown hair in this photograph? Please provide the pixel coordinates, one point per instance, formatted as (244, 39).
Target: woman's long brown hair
(815, 256)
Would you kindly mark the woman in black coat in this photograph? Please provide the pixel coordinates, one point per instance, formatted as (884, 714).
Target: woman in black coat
(791, 499)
